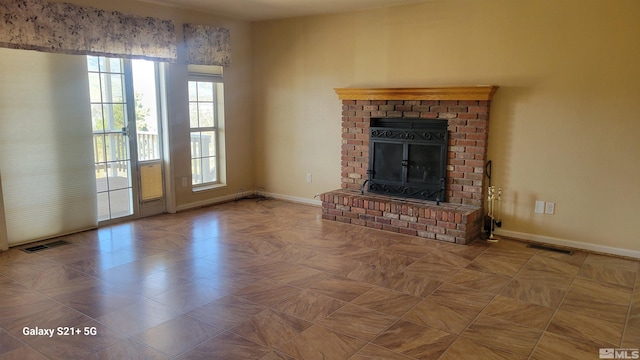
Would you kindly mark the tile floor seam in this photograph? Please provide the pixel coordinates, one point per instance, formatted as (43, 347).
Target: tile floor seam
(633, 292)
(370, 343)
(556, 309)
(513, 277)
(16, 339)
(399, 318)
(60, 303)
(33, 348)
(273, 308)
(185, 351)
(484, 307)
(308, 329)
(221, 333)
(142, 343)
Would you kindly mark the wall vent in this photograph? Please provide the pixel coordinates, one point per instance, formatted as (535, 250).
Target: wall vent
(41, 247)
(549, 248)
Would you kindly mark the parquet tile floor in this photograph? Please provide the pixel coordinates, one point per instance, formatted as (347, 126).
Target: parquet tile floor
(271, 280)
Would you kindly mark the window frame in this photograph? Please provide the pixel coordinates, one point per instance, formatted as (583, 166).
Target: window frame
(218, 117)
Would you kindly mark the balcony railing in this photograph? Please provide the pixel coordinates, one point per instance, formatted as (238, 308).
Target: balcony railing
(148, 147)
(111, 152)
(116, 147)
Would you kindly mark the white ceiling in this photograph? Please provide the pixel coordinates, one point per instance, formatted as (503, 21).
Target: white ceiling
(255, 10)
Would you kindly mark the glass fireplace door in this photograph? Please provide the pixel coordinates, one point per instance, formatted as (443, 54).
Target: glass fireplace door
(387, 166)
(424, 165)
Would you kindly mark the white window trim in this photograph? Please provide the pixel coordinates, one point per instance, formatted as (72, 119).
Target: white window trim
(217, 128)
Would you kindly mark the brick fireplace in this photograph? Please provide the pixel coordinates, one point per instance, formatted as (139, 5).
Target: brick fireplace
(459, 218)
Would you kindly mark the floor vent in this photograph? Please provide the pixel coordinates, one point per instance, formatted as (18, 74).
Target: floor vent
(45, 246)
(549, 248)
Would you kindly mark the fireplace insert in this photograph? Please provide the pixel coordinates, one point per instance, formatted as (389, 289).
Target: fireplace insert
(408, 158)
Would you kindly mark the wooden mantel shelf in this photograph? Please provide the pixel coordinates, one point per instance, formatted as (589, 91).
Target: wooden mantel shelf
(480, 92)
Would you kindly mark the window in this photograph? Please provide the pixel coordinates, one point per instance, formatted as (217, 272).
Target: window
(206, 104)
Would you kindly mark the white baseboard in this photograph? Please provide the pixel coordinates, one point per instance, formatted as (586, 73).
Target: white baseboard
(295, 199)
(228, 198)
(570, 243)
(207, 202)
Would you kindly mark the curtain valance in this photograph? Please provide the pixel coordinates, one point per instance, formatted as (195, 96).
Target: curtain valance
(207, 45)
(71, 29)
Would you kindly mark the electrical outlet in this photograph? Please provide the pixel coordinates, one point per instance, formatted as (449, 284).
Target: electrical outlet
(539, 209)
(309, 178)
(550, 208)
(184, 181)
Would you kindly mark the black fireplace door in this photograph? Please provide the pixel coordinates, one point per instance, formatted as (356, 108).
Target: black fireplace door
(408, 158)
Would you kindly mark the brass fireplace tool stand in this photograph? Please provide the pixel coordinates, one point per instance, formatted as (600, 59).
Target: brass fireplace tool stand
(494, 205)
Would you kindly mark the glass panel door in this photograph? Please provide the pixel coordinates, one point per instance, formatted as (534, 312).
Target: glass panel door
(111, 129)
(146, 85)
(126, 137)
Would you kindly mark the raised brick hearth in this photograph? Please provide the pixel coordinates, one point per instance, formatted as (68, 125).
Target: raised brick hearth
(446, 222)
(466, 110)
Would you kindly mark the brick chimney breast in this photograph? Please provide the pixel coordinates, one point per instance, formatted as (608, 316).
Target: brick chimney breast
(466, 111)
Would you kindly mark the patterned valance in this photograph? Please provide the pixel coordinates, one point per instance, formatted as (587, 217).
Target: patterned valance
(71, 29)
(207, 45)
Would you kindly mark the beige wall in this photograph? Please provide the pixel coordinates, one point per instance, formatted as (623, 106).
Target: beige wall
(564, 122)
